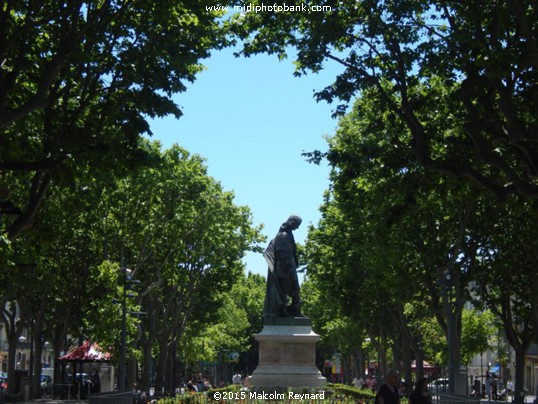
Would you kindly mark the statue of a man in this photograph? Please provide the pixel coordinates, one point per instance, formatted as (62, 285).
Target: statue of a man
(282, 281)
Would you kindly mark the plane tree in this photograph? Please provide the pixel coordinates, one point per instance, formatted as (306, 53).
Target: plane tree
(392, 227)
(49, 280)
(356, 285)
(339, 332)
(169, 222)
(183, 238)
(485, 54)
(505, 275)
(227, 335)
(79, 81)
(249, 295)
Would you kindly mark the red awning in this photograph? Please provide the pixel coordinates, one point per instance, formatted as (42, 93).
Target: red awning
(88, 351)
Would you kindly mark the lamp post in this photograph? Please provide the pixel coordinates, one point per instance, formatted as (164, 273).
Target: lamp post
(128, 281)
(122, 369)
(45, 362)
(20, 363)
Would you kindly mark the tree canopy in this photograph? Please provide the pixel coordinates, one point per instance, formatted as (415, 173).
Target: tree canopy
(483, 53)
(78, 82)
(398, 246)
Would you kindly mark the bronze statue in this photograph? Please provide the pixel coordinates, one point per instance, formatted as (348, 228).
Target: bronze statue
(282, 281)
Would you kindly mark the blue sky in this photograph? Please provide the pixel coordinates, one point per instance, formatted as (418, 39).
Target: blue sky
(251, 119)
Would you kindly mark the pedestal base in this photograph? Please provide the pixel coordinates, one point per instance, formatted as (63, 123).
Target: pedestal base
(287, 356)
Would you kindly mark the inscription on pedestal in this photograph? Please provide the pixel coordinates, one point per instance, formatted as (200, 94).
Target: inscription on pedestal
(289, 353)
(287, 357)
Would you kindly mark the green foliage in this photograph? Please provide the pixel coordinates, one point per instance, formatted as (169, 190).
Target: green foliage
(172, 225)
(184, 239)
(79, 82)
(349, 392)
(477, 330)
(232, 327)
(432, 65)
(394, 242)
(103, 320)
(6, 260)
(433, 341)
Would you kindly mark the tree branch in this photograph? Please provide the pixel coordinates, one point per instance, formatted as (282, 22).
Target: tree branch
(40, 185)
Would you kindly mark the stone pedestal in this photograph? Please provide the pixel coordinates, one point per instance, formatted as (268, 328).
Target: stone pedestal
(287, 355)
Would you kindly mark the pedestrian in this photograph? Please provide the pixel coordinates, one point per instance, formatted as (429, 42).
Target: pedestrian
(371, 383)
(191, 387)
(207, 384)
(95, 382)
(358, 382)
(509, 387)
(489, 382)
(201, 387)
(420, 394)
(476, 388)
(236, 379)
(388, 392)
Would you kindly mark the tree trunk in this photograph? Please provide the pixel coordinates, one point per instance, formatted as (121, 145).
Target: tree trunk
(148, 332)
(38, 353)
(171, 355)
(359, 361)
(38, 342)
(132, 373)
(13, 329)
(419, 362)
(162, 361)
(12, 341)
(519, 394)
(452, 304)
(406, 346)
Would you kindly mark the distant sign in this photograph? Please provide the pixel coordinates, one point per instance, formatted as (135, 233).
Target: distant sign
(233, 357)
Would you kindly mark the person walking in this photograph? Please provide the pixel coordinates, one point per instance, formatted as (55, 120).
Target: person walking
(388, 392)
(420, 394)
(237, 379)
(489, 382)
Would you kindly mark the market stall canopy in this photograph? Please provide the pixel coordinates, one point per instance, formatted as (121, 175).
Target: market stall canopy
(494, 369)
(88, 351)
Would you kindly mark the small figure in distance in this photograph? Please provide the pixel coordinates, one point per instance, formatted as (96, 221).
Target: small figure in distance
(358, 382)
(237, 379)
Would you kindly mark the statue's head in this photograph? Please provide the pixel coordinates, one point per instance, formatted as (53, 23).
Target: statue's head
(293, 222)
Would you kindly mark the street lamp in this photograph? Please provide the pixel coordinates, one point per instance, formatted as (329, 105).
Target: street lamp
(45, 362)
(22, 341)
(127, 282)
